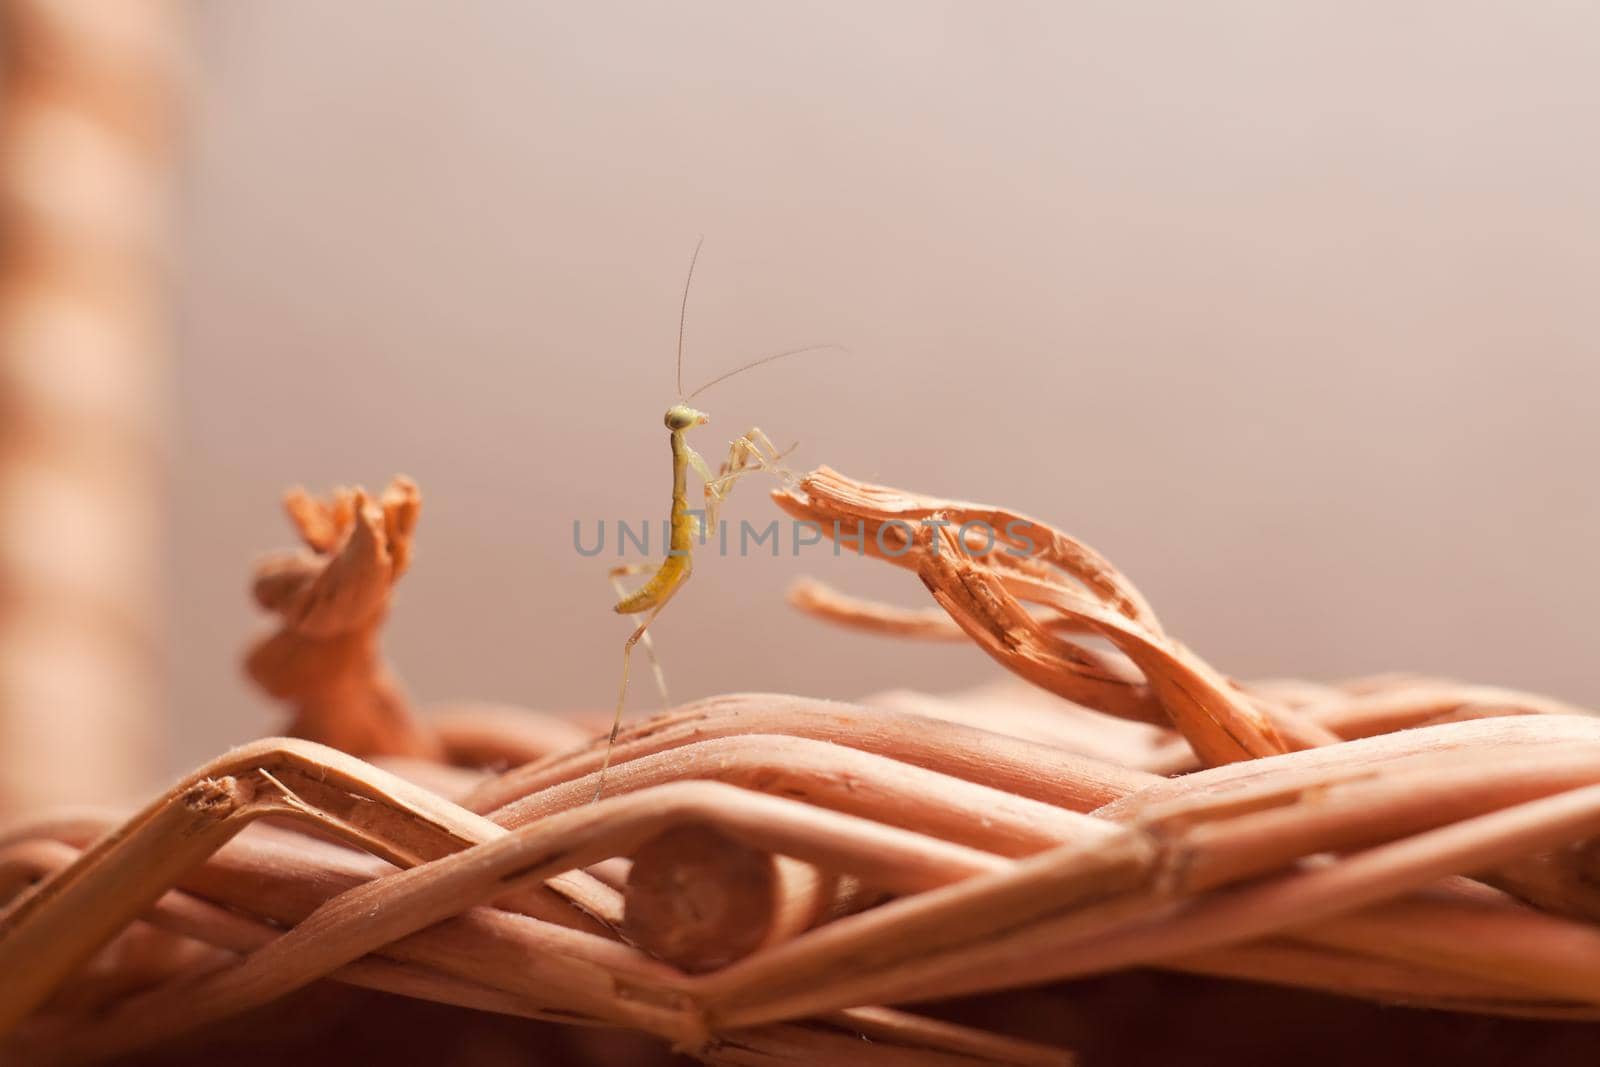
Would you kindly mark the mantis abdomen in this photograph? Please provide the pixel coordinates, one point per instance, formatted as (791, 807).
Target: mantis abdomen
(674, 570)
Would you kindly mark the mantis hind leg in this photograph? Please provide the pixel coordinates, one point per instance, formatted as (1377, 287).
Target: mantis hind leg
(616, 574)
(634, 638)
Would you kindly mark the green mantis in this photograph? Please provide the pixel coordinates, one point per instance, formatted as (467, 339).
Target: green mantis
(750, 451)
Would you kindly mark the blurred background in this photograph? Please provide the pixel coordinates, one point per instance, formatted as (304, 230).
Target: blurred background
(1287, 310)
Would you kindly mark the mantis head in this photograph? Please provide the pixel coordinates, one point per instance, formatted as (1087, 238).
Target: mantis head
(681, 417)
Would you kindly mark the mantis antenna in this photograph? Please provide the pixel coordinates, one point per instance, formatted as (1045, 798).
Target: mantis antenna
(683, 318)
(764, 359)
(683, 309)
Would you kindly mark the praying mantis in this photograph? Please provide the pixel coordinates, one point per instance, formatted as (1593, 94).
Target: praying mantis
(750, 451)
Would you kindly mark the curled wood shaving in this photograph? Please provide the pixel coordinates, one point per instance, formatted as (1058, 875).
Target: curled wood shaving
(985, 582)
(331, 600)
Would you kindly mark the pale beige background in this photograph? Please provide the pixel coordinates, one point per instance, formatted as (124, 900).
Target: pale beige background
(1289, 309)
